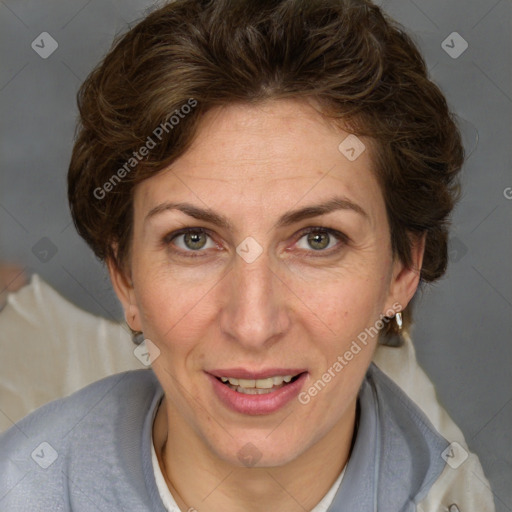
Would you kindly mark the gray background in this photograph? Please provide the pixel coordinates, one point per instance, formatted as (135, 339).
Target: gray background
(463, 332)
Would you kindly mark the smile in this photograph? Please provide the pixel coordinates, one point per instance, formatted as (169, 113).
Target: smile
(257, 393)
(257, 386)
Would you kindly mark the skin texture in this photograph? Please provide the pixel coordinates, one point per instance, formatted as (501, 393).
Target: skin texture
(298, 305)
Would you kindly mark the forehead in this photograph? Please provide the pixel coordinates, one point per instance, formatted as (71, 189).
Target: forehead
(274, 153)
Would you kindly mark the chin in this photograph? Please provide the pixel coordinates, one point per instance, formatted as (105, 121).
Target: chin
(260, 452)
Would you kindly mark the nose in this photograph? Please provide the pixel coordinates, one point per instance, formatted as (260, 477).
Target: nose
(255, 312)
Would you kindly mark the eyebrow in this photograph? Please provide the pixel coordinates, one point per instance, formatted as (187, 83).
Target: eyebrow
(208, 215)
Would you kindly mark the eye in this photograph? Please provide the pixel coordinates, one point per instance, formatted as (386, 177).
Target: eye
(321, 240)
(190, 240)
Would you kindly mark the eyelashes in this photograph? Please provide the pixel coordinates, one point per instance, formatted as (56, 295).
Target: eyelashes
(190, 235)
(310, 233)
(196, 242)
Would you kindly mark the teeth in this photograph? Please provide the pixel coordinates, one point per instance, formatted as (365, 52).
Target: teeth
(249, 384)
(253, 391)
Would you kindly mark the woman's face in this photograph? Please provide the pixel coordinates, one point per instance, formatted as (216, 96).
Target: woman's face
(227, 281)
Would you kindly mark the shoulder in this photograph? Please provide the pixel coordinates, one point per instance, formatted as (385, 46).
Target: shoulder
(410, 447)
(399, 411)
(462, 486)
(64, 349)
(75, 439)
(440, 472)
(97, 400)
(401, 365)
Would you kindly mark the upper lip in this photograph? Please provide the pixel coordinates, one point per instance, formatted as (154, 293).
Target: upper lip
(242, 373)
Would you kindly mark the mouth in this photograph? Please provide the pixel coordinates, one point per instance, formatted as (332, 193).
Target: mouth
(258, 386)
(257, 392)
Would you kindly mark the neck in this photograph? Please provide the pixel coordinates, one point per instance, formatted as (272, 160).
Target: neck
(199, 480)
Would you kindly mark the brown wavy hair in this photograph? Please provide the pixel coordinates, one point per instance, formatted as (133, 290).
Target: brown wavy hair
(356, 63)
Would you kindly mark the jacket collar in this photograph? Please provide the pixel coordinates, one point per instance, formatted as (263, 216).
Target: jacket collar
(397, 453)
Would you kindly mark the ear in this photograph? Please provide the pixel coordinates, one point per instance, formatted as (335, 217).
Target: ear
(123, 287)
(405, 279)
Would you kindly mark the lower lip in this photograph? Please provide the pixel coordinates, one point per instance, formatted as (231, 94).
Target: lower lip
(257, 404)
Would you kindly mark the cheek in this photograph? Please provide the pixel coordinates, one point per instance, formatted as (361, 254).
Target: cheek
(344, 305)
(169, 306)
(349, 313)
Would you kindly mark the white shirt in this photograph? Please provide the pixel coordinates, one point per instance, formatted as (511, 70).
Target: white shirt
(171, 506)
